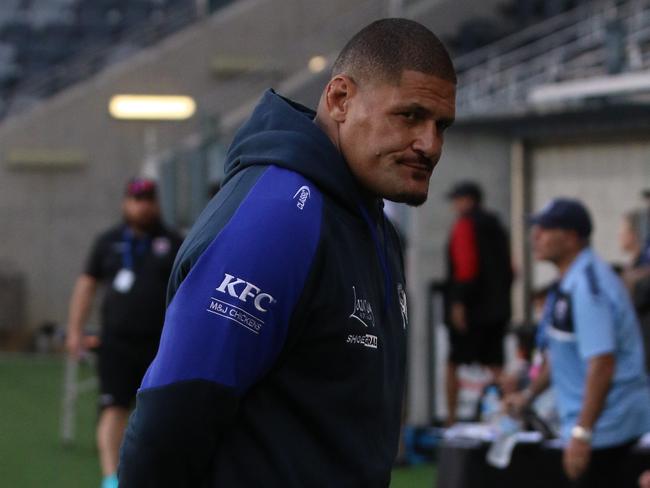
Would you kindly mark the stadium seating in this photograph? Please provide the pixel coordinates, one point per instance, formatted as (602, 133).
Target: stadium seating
(41, 39)
(475, 33)
(46, 45)
(592, 39)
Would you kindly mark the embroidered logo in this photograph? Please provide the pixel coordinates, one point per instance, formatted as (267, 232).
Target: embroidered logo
(302, 195)
(561, 309)
(260, 300)
(245, 292)
(367, 340)
(362, 310)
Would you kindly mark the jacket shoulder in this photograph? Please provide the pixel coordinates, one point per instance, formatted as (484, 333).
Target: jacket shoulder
(259, 205)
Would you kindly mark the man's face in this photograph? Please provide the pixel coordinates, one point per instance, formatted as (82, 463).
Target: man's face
(141, 212)
(552, 245)
(628, 238)
(392, 135)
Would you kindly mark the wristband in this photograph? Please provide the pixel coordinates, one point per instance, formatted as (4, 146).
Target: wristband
(578, 432)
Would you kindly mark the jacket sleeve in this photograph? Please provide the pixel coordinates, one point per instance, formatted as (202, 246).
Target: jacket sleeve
(464, 259)
(224, 328)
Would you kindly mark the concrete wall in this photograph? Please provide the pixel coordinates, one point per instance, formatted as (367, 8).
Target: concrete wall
(607, 175)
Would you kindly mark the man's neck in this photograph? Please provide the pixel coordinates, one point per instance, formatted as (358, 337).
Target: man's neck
(565, 263)
(635, 253)
(329, 128)
(138, 231)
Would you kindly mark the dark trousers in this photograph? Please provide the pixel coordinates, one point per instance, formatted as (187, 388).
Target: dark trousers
(606, 468)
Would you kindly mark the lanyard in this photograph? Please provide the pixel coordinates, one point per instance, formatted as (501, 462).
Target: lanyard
(381, 253)
(131, 247)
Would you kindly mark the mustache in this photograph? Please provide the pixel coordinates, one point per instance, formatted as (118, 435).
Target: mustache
(419, 160)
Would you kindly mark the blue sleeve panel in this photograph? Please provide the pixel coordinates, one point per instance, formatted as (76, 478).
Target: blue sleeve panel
(228, 319)
(224, 327)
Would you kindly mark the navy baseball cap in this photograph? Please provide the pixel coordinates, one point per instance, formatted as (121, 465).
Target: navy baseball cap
(465, 189)
(564, 213)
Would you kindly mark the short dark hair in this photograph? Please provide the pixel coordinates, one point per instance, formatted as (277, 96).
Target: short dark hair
(384, 49)
(466, 189)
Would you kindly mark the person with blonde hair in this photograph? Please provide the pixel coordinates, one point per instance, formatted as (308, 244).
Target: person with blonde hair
(636, 275)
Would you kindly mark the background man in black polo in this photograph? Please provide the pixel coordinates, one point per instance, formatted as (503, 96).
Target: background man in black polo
(133, 260)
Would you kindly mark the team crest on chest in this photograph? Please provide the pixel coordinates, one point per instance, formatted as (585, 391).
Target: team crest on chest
(560, 310)
(401, 296)
(161, 246)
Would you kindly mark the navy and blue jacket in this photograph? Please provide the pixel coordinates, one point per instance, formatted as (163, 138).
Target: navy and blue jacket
(281, 362)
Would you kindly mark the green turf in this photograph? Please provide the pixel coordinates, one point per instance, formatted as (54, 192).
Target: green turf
(414, 477)
(31, 453)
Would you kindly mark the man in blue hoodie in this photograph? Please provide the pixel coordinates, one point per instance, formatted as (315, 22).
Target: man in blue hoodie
(282, 356)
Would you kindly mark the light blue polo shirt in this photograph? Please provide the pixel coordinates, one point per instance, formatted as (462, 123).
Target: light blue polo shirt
(591, 314)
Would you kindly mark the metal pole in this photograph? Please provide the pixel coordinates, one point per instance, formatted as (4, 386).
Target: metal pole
(69, 404)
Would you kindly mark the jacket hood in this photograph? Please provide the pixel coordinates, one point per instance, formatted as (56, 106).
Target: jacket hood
(283, 133)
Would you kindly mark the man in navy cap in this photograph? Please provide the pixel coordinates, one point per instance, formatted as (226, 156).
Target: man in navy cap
(478, 288)
(133, 260)
(594, 354)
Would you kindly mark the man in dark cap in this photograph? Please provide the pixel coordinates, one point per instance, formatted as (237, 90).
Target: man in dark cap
(594, 356)
(478, 288)
(134, 260)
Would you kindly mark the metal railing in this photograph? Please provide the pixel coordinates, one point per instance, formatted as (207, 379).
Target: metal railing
(97, 57)
(497, 78)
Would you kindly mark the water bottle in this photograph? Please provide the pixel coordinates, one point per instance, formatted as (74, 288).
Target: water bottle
(490, 405)
(500, 451)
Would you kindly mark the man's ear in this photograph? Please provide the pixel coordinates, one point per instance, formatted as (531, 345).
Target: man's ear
(338, 93)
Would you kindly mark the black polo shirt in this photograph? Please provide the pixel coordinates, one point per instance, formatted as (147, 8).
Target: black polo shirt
(139, 308)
